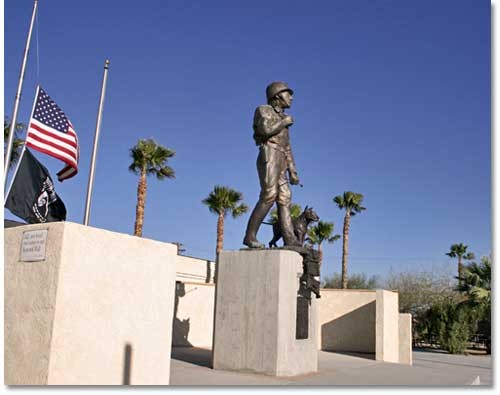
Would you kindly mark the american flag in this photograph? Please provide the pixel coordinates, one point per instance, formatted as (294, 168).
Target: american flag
(51, 132)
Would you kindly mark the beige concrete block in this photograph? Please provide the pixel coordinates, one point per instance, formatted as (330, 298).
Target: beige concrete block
(405, 339)
(194, 270)
(256, 314)
(387, 326)
(29, 306)
(98, 310)
(347, 320)
(193, 315)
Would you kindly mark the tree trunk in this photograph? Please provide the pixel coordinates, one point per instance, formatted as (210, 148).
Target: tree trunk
(345, 248)
(220, 244)
(220, 235)
(141, 201)
(320, 254)
(460, 270)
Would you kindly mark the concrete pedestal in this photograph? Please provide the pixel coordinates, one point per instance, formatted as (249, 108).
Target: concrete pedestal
(85, 306)
(256, 314)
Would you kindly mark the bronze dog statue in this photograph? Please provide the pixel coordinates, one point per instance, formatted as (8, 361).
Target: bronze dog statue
(300, 225)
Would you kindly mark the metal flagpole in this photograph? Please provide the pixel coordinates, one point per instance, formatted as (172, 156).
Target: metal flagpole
(96, 139)
(15, 174)
(24, 148)
(8, 152)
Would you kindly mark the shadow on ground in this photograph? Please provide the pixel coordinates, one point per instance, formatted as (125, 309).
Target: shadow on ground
(194, 355)
(364, 355)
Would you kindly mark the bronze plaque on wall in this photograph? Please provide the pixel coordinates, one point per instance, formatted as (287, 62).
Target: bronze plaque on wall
(302, 327)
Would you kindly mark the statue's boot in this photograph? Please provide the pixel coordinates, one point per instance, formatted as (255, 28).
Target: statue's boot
(258, 214)
(287, 226)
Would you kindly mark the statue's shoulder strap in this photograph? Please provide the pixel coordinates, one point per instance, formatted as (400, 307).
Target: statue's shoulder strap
(264, 110)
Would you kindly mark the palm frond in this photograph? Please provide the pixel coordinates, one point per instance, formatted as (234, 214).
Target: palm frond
(476, 281)
(222, 200)
(333, 238)
(351, 201)
(152, 157)
(322, 231)
(164, 172)
(239, 210)
(339, 200)
(295, 211)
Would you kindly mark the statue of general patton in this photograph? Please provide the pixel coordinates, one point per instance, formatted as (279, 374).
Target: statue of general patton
(275, 164)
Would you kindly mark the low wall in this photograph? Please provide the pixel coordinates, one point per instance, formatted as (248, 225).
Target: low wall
(365, 321)
(193, 315)
(194, 270)
(347, 320)
(405, 339)
(387, 326)
(194, 302)
(96, 310)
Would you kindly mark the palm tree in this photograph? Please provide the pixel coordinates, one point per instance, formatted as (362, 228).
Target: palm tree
(476, 286)
(17, 143)
(459, 251)
(351, 202)
(221, 201)
(319, 233)
(477, 280)
(148, 157)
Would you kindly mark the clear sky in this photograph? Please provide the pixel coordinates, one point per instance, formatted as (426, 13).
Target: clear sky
(392, 100)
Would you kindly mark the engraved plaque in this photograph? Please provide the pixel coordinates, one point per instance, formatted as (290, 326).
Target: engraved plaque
(302, 326)
(33, 245)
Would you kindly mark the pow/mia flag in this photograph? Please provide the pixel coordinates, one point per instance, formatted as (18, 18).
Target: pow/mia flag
(32, 196)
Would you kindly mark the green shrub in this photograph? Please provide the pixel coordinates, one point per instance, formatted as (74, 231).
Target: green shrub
(354, 281)
(450, 323)
(456, 330)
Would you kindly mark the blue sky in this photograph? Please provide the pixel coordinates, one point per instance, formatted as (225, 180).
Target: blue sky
(392, 100)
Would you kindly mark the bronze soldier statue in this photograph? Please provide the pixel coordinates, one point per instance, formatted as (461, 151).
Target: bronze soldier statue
(275, 160)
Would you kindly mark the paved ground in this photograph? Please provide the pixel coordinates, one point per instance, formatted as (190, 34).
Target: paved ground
(190, 367)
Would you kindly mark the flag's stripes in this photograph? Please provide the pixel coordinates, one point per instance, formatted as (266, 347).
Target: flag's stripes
(62, 146)
(66, 173)
(51, 133)
(67, 138)
(47, 149)
(57, 145)
(70, 171)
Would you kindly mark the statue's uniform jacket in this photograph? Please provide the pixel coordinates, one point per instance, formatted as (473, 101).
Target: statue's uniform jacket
(275, 155)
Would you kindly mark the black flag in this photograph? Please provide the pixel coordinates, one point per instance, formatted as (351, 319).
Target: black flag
(32, 196)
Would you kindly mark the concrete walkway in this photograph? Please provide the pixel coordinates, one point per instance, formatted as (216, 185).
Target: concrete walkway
(190, 367)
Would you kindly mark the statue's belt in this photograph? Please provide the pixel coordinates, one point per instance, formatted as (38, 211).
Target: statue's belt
(275, 146)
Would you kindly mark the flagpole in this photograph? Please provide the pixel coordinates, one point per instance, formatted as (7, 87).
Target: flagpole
(96, 139)
(15, 174)
(8, 153)
(24, 148)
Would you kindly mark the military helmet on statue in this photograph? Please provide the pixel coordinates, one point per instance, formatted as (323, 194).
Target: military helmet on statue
(276, 87)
